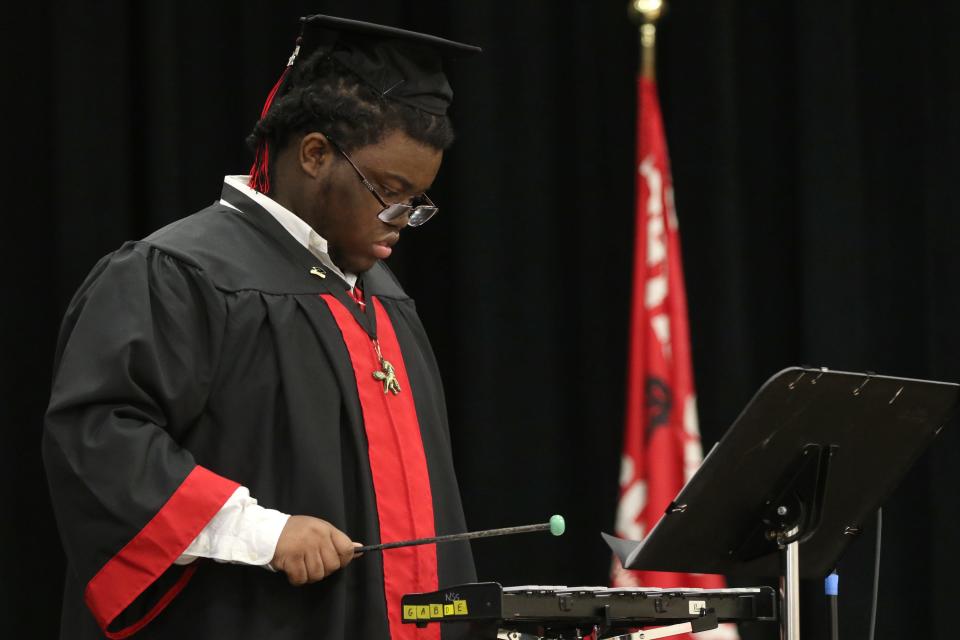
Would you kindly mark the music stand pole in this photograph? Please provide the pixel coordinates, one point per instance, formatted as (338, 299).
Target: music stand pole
(790, 591)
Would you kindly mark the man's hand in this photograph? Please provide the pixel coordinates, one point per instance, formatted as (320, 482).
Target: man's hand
(309, 549)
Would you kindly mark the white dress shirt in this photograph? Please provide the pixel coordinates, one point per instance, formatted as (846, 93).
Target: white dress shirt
(294, 225)
(242, 531)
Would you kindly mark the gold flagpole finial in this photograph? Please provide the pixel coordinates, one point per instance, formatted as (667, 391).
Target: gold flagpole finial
(646, 10)
(646, 13)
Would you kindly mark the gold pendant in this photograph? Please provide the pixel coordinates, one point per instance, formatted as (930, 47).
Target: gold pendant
(388, 376)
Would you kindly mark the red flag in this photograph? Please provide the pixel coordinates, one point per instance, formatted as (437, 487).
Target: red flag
(661, 447)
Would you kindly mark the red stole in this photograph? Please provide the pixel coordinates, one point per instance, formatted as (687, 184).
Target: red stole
(398, 466)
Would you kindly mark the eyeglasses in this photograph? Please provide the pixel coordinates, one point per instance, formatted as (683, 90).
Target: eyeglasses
(420, 209)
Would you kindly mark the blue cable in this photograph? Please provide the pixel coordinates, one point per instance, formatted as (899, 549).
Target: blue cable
(831, 584)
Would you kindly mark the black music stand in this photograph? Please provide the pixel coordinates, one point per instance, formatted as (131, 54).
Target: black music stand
(813, 455)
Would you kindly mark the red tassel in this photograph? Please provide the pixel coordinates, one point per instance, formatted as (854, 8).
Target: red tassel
(260, 171)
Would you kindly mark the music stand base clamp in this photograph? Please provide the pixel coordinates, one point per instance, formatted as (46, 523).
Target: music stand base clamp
(795, 517)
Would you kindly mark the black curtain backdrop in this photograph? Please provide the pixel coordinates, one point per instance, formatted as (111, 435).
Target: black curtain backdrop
(813, 148)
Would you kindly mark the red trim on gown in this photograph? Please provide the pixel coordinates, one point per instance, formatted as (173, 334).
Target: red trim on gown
(153, 550)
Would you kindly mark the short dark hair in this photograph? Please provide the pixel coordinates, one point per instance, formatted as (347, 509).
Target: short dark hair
(327, 97)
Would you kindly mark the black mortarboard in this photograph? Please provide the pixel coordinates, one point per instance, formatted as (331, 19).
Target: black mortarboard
(400, 65)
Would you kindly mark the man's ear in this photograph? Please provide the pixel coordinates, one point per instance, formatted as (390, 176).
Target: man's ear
(316, 153)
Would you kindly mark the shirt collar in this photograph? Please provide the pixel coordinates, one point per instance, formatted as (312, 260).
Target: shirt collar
(294, 224)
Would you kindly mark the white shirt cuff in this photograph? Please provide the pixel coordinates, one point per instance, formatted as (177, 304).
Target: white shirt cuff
(242, 532)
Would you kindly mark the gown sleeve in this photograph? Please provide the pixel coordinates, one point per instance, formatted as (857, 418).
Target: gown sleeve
(137, 352)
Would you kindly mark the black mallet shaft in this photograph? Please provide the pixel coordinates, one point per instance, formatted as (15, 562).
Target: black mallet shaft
(556, 526)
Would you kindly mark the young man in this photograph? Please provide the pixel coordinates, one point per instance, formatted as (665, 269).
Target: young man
(250, 385)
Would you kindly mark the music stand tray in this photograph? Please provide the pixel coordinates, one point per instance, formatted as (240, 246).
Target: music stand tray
(812, 455)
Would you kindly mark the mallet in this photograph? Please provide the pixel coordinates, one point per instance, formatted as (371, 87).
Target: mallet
(556, 526)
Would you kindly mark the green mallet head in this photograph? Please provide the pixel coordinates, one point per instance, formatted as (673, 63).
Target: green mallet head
(557, 525)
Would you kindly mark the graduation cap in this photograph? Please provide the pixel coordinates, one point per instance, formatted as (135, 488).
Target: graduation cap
(400, 65)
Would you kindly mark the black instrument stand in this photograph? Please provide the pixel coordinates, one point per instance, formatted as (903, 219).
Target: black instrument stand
(813, 455)
(704, 623)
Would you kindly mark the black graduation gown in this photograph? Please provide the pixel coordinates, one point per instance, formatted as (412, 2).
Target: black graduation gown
(207, 344)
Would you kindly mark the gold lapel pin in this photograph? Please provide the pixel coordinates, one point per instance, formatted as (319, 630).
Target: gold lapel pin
(317, 271)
